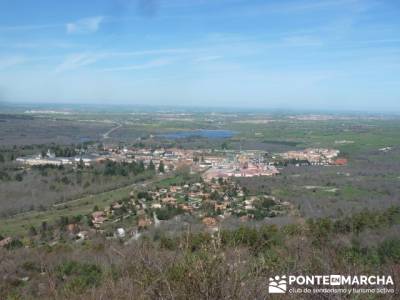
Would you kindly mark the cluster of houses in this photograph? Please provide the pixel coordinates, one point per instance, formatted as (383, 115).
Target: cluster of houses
(314, 156)
(51, 159)
(220, 163)
(214, 163)
(210, 202)
(240, 168)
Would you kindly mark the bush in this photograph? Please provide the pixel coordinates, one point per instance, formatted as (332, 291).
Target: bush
(15, 243)
(390, 250)
(79, 276)
(168, 243)
(19, 177)
(168, 212)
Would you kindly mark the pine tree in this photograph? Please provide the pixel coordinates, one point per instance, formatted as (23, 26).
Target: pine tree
(151, 167)
(161, 167)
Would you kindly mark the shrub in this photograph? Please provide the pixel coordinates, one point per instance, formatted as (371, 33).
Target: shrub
(390, 250)
(15, 243)
(79, 276)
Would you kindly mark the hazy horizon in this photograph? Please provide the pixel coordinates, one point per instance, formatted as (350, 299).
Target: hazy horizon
(329, 55)
(182, 108)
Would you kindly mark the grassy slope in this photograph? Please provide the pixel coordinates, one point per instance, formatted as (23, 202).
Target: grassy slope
(19, 224)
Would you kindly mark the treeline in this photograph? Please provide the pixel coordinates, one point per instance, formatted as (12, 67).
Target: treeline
(324, 227)
(64, 151)
(15, 117)
(11, 153)
(67, 151)
(112, 168)
(319, 231)
(293, 161)
(284, 143)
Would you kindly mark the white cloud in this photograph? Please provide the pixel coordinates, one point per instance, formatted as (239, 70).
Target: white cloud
(86, 25)
(78, 60)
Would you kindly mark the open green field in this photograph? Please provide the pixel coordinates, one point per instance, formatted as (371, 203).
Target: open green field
(19, 224)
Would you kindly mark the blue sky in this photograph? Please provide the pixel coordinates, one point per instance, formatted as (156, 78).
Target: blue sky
(326, 54)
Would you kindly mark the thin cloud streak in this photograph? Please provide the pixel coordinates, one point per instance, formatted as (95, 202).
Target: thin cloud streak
(207, 58)
(85, 26)
(79, 60)
(28, 27)
(149, 65)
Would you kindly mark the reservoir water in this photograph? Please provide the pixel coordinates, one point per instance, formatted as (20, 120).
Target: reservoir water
(205, 133)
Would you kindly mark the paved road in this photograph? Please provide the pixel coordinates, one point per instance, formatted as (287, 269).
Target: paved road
(107, 134)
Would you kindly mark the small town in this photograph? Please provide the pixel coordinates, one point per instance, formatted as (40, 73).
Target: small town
(210, 199)
(214, 163)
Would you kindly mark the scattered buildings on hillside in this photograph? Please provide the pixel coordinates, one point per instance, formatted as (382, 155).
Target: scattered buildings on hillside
(51, 159)
(314, 156)
(234, 170)
(208, 202)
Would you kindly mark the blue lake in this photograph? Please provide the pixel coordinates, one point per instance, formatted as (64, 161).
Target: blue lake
(84, 139)
(209, 134)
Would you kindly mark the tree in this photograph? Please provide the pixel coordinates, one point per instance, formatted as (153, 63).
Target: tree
(1, 158)
(144, 195)
(161, 167)
(141, 166)
(63, 222)
(151, 166)
(32, 231)
(81, 164)
(19, 177)
(214, 195)
(44, 226)
(15, 243)
(110, 168)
